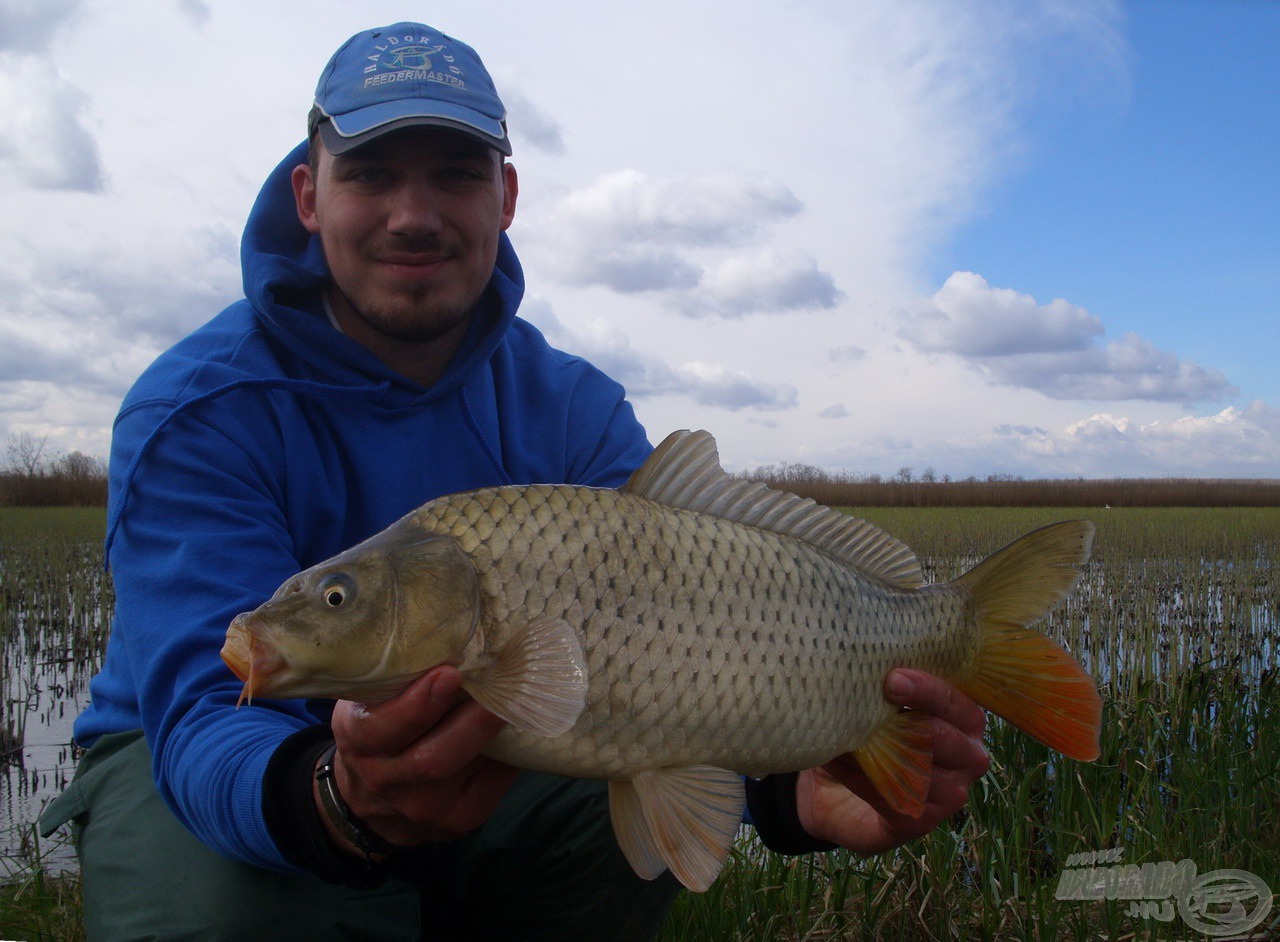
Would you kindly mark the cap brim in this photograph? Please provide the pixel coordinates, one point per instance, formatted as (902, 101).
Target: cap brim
(342, 133)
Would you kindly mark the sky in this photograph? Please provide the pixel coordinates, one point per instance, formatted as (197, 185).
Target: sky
(962, 237)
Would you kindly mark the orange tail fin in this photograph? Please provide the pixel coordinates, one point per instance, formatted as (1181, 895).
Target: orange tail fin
(1021, 675)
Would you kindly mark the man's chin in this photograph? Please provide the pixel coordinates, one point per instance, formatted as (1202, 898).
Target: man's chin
(417, 320)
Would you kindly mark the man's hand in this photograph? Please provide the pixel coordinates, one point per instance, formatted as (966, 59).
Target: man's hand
(838, 803)
(411, 769)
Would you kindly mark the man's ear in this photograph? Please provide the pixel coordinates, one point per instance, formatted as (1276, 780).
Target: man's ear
(304, 197)
(510, 190)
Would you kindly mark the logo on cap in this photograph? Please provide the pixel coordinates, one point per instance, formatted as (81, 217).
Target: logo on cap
(411, 57)
(411, 61)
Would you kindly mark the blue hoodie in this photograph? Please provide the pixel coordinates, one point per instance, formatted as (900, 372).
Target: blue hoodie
(267, 441)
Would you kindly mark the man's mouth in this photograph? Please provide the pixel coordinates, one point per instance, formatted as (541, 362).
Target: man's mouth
(413, 267)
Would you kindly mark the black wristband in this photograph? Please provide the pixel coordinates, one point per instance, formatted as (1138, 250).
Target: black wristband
(771, 802)
(294, 821)
(342, 817)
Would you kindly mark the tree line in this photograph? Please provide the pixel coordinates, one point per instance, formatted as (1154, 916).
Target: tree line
(34, 477)
(906, 489)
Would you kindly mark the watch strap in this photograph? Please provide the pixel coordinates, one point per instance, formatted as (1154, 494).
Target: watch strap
(342, 817)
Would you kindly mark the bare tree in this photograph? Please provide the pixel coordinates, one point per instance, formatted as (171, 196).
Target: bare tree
(78, 466)
(26, 453)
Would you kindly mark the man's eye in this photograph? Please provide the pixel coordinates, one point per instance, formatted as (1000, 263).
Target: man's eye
(466, 174)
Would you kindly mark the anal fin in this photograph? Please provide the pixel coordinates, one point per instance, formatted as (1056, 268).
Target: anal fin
(684, 820)
(538, 682)
(629, 827)
(898, 758)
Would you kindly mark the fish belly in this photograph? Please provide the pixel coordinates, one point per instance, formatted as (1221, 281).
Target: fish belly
(707, 642)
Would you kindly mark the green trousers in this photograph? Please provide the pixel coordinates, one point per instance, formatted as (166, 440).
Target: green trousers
(545, 866)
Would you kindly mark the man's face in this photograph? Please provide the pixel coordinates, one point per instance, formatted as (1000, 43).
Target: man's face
(409, 223)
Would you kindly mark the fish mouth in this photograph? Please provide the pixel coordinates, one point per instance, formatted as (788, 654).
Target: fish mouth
(250, 659)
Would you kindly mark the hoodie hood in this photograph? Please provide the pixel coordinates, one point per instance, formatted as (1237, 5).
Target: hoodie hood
(285, 274)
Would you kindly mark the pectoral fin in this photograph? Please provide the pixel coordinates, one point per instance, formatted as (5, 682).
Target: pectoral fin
(538, 682)
(898, 758)
(678, 819)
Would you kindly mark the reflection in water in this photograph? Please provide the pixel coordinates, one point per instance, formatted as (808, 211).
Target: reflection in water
(55, 604)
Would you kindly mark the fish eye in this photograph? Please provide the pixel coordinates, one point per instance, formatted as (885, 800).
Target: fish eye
(336, 591)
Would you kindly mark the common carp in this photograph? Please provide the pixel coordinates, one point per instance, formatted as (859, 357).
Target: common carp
(677, 634)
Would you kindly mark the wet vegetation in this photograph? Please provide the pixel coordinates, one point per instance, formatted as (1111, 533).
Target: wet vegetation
(1178, 616)
(55, 605)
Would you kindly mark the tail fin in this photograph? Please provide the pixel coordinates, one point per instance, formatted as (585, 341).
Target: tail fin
(1021, 675)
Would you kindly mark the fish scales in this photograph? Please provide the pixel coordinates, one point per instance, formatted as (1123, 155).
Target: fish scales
(707, 642)
(676, 634)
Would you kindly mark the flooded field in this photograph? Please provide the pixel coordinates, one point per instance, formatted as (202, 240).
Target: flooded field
(55, 610)
(1178, 617)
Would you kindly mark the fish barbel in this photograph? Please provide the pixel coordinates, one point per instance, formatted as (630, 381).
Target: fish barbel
(677, 634)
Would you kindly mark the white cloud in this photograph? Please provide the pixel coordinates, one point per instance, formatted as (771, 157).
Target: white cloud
(1131, 368)
(632, 268)
(848, 354)
(43, 142)
(970, 318)
(527, 122)
(707, 209)
(767, 280)
(197, 11)
(711, 384)
(1244, 443)
(647, 375)
(1053, 348)
(698, 241)
(28, 26)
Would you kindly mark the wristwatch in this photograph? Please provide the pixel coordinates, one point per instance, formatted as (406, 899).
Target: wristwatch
(342, 817)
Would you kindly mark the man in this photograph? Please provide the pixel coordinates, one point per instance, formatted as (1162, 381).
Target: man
(375, 362)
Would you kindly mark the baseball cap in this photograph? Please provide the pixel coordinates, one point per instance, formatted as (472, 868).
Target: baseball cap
(405, 75)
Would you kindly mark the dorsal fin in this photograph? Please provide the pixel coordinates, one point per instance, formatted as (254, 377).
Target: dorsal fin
(684, 471)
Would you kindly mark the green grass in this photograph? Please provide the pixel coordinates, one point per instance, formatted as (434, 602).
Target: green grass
(37, 905)
(1178, 616)
(54, 608)
(61, 524)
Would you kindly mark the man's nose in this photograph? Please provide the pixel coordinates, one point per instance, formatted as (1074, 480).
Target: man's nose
(415, 210)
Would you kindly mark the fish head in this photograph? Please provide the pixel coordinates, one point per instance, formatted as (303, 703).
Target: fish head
(362, 625)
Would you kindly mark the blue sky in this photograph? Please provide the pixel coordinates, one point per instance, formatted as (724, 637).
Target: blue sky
(1152, 199)
(1028, 237)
